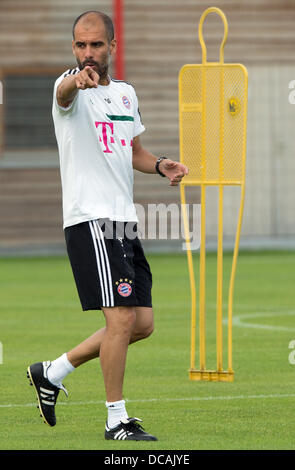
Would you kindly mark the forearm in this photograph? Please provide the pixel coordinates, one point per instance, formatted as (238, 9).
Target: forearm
(66, 91)
(144, 161)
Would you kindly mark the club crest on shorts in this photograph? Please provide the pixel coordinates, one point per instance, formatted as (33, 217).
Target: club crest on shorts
(124, 287)
(126, 102)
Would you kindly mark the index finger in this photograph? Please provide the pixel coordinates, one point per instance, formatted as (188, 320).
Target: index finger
(90, 76)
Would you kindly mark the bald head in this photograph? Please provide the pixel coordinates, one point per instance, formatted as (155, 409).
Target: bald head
(89, 19)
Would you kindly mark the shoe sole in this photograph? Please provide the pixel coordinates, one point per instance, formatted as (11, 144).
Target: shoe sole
(39, 404)
(137, 440)
(109, 438)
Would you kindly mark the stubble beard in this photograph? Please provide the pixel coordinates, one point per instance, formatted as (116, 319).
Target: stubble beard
(101, 68)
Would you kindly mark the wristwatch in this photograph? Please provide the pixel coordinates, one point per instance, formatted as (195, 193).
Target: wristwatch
(157, 165)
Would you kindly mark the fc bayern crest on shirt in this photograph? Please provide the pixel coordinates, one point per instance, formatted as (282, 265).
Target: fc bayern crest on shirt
(124, 288)
(126, 102)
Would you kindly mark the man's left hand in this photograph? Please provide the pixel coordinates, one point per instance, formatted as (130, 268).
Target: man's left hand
(174, 171)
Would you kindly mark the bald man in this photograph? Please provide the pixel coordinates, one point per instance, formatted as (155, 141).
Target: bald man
(98, 126)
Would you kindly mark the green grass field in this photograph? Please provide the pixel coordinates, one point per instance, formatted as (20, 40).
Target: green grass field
(41, 318)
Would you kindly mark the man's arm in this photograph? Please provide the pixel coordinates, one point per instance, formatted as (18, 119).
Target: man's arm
(145, 162)
(69, 87)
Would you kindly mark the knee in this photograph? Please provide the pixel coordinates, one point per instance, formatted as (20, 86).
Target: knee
(127, 321)
(122, 321)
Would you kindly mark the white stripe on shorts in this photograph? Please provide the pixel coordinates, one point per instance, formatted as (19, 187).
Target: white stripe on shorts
(98, 263)
(103, 265)
(108, 268)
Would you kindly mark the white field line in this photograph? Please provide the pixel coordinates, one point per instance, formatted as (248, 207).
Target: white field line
(164, 400)
(241, 320)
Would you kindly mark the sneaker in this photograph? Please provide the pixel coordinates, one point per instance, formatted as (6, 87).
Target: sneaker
(47, 393)
(129, 430)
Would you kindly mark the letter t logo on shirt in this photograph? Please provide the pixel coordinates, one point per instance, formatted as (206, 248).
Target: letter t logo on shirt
(104, 133)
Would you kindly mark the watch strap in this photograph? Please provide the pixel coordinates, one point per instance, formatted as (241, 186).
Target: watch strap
(157, 165)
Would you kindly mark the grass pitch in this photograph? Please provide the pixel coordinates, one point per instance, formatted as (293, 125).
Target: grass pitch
(41, 318)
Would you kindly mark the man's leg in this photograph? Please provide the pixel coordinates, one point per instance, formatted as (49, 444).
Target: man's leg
(120, 330)
(120, 322)
(120, 325)
(90, 348)
(124, 325)
(111, 344)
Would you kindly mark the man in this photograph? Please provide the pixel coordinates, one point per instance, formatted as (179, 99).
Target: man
(97, 125)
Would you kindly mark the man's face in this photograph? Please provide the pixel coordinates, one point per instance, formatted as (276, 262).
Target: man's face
(91, 47)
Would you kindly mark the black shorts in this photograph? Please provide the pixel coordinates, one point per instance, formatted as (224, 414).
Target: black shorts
(109, 265)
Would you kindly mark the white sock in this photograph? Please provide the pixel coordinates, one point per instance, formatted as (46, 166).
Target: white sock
(59, 369)
(116, 412)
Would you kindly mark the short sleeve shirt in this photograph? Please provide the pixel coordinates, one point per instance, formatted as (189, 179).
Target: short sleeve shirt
(95, 137)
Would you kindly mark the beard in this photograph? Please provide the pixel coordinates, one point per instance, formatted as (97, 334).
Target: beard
(101, 68)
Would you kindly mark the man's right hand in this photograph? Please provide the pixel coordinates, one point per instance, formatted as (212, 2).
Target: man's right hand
(69, 87)
(87, 78)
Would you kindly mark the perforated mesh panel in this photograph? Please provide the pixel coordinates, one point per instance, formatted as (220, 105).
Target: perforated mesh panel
(212, 113)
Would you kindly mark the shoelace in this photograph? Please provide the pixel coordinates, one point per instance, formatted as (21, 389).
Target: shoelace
(132, 427)
(63, 388)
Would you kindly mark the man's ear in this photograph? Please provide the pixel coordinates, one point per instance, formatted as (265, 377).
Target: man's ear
(113, 46)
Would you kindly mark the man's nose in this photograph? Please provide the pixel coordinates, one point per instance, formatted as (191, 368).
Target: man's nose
(88, 52)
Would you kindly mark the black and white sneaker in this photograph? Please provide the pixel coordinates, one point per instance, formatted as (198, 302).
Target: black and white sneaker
(129, 430)
(47, 393)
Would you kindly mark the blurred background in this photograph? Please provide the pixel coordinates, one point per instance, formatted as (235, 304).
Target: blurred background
(160, 36)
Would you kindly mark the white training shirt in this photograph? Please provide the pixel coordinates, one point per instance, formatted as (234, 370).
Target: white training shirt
(95, 136)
